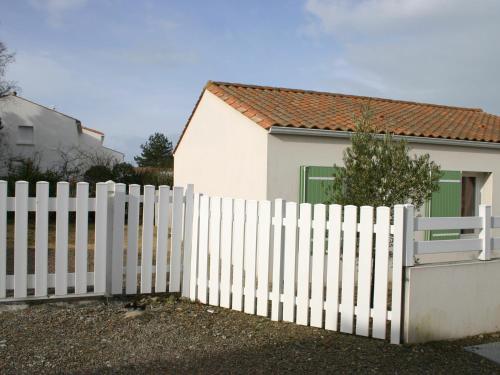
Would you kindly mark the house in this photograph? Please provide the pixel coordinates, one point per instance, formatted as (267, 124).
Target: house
(31, 130)
(257, 142)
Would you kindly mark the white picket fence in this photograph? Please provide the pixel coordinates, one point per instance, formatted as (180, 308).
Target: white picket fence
(113, 270)
(297, 263)
(301, 263)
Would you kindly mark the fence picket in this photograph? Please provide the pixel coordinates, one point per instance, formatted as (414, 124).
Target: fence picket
(250, 254)
(397, 274)
(290, 262)
(134, 197)
(118, 238)
(318, 265)
(303, 262)
(41, 238)
(381, 272)
(175, 256)
(188, 240)
(203, 248)
(225, 252)
(263, 244)
(162, 230)
(348, 269)
(364, 271)
(193, 282)
(214, 250)
(3, 239)
(238, 242)
(62, 238)
(277, 260)
(333, 266)
(81, 237)
(101, 233)
(21, 240)
(148, 213)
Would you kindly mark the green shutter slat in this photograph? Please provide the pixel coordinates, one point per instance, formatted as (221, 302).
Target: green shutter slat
(446, 202)
(314, 183)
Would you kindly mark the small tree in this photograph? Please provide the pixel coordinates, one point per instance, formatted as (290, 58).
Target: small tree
(156, 152)
(378, 170)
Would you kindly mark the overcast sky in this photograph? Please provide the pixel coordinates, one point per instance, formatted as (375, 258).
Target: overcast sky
(130, 68)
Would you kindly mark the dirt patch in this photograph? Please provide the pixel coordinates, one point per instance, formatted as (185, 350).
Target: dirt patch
(164, 334)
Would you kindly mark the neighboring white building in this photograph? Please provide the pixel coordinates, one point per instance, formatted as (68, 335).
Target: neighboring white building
(31, 130)
(256, 142)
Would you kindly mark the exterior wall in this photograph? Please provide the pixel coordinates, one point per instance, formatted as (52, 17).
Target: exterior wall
(222, 153)
(453, 300)
(53, 132)
(287, 153)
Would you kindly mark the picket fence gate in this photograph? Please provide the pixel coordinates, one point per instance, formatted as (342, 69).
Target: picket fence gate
(309, 264)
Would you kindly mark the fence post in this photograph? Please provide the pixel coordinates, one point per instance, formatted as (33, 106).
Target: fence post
(188, 239)
(485, 234)
(109, 239)
(409, 236)
(117, 233)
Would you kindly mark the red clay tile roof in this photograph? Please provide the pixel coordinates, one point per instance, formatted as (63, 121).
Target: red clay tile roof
(93, 130)
(273, 106)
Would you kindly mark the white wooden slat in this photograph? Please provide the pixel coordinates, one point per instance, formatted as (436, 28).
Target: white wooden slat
(203, 249)
(397, 275)
(101, 233)
(238, 243)
(41, 238)
(21, 240)
(148, 212)
(290, 262)
(348, 269)
(81, 237)
(318, 265)
(277, 260)
(381, 273)
(447, 246)
(225, 252)
(176, 255)
(263, 246)
(193, 282)
(436, 223)
(334, 227)
(162, 239)
(3, 238)
(303, 264)
(364, 271)
(133, 213)
(188, 240)
(214, 250)
(62, 239)
(118, 238)
(485, 232)
(250, 255)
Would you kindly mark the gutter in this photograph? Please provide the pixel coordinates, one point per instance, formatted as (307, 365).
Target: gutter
(283, 130)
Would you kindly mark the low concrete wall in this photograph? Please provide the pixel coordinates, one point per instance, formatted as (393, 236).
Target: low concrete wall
(451, 300)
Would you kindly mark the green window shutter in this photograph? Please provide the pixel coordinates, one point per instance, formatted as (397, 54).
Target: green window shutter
(446, 202)
(314, 183)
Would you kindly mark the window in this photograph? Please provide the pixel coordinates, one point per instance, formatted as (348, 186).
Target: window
(25, 135)
(468, 199)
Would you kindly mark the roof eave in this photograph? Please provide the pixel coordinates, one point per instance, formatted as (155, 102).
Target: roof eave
(283, 130)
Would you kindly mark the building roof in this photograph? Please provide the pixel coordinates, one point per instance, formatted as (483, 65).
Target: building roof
(273, 106)
(92, 130)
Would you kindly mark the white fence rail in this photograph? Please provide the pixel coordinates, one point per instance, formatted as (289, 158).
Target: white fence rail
(100, 264)
(485, 243)
(313, 265)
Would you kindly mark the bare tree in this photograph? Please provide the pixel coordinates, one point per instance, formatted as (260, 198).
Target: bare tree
(6, 58)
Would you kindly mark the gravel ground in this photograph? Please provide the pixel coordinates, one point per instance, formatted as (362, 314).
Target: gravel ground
(165, 335)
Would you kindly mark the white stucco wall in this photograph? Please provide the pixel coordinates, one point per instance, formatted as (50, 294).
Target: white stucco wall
(222, 153)
(452, 300)
(53, 132)
(287, 153)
